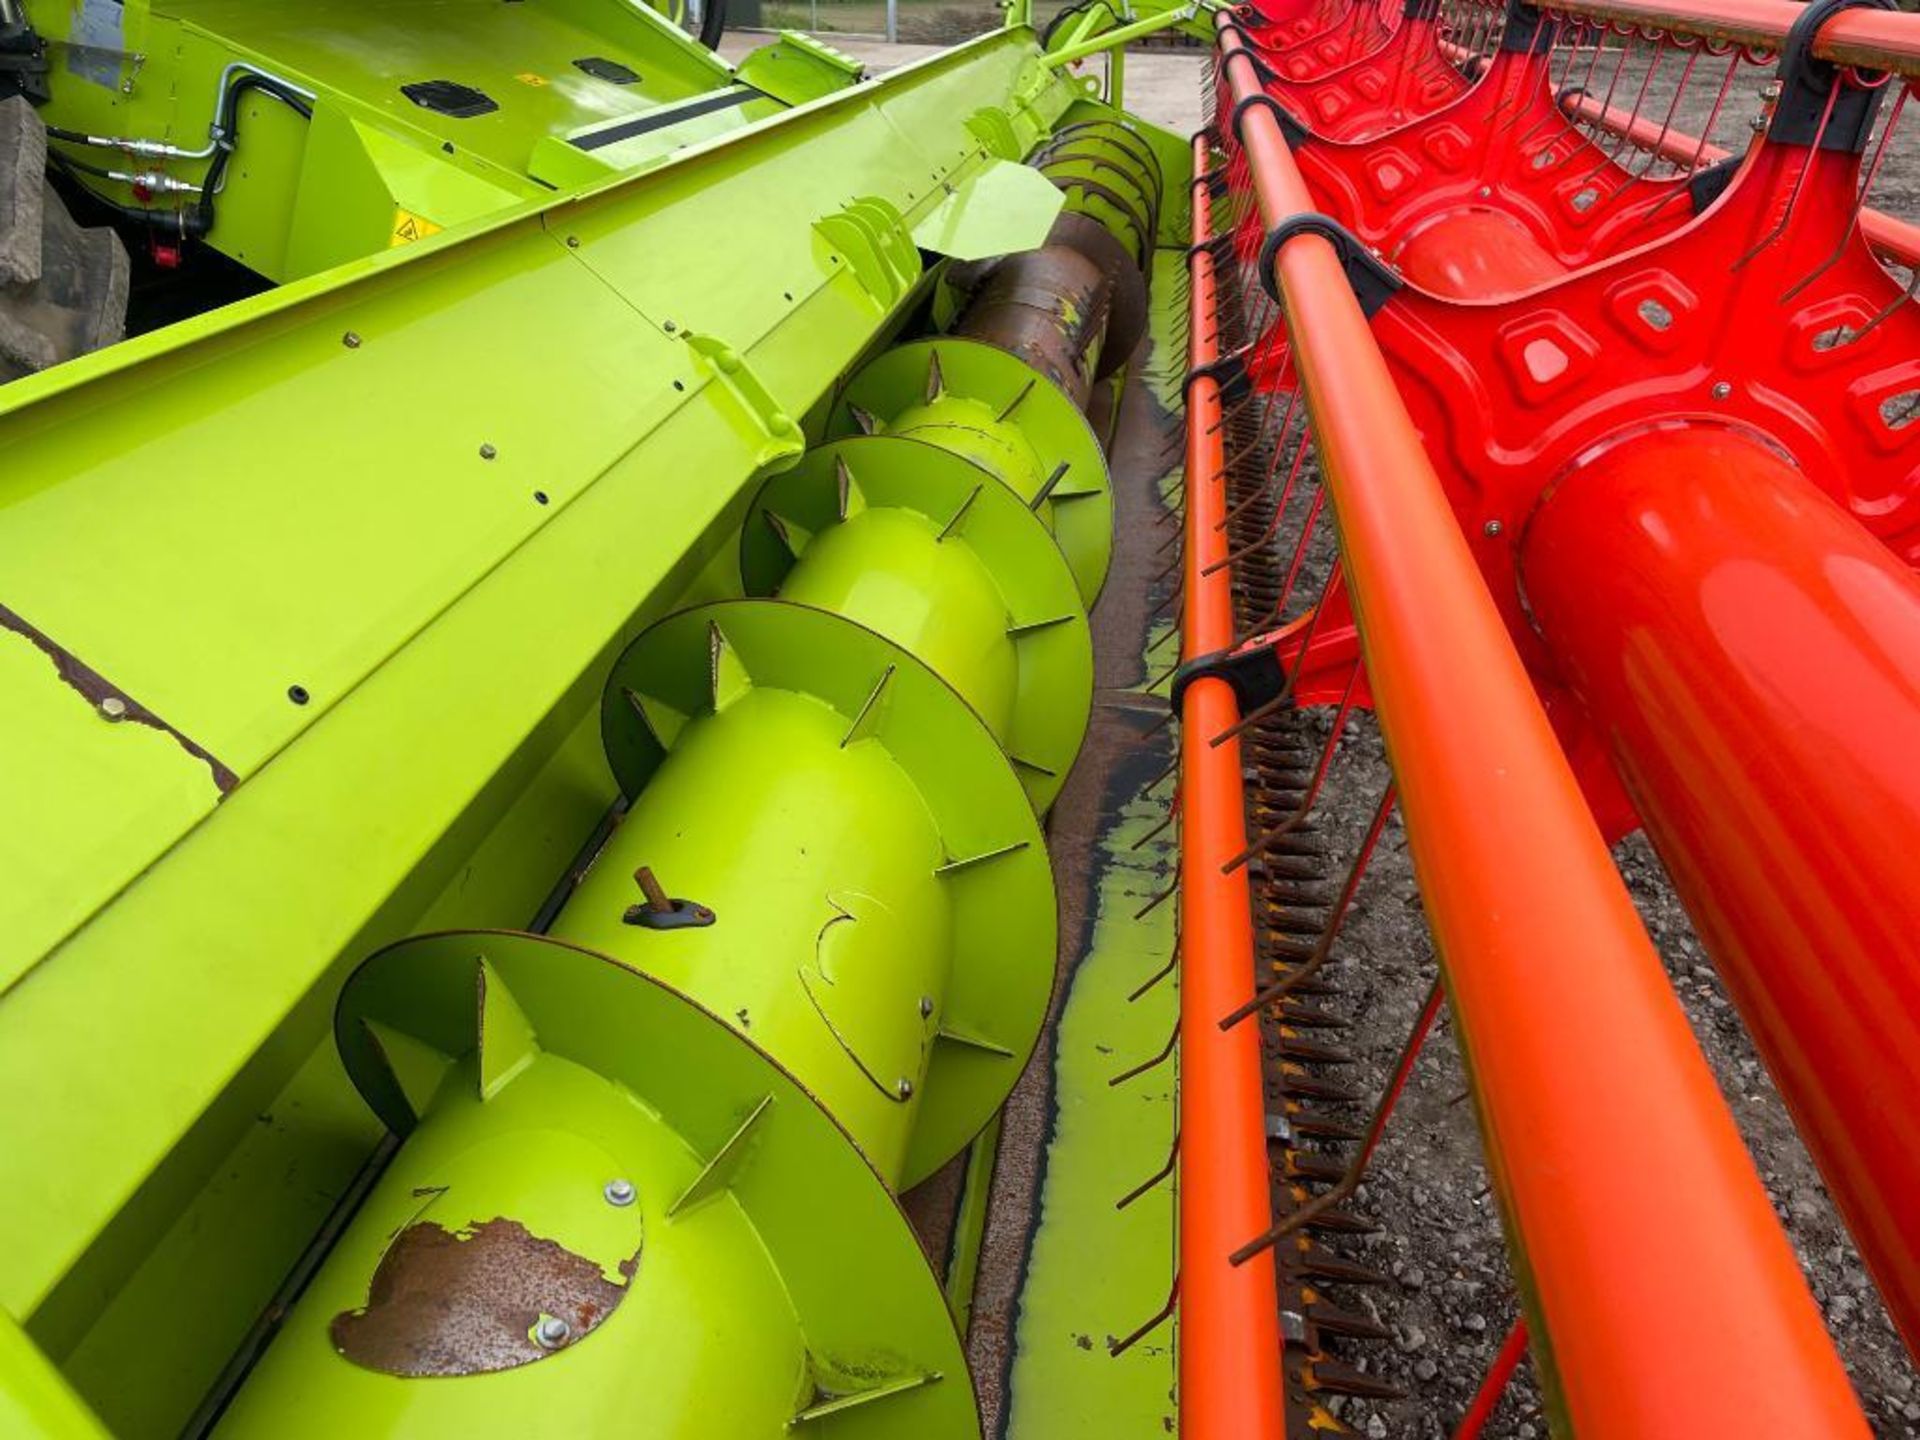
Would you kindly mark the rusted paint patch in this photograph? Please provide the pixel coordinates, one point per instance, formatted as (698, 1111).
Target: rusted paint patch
(82, 677)
(465, 1303)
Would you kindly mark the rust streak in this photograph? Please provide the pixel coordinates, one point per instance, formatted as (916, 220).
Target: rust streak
(90, 683)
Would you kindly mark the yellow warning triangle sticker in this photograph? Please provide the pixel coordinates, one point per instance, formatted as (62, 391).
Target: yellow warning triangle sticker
(409, 227)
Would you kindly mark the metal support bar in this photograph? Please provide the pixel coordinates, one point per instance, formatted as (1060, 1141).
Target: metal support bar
(1499, 1374)
(1125, 35)
(1230, 1376)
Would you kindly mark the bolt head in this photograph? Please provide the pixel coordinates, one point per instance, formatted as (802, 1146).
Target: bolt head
(926, 1007)
(1770, 91)
(573, 242)
(903, 1087)
(1757, 123)
(113, 707)
(1492, 528)
(1485, 191)
(1722, 390)
(620, 1192)
(350, 340)
(552, 1332)
(487, 452)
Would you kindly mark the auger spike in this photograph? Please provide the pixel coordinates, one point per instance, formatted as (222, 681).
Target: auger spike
(957, 1035)
(506, 1044)
(415, 1067)
(849, 499)
(958, 864)
(960, 513)
(1020, 630)
(1049, 485)
(793, 538)
(717, 1174)
(727, 678)
(867, 720)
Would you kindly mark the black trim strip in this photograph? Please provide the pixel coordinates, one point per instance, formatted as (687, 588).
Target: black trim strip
(673, 115)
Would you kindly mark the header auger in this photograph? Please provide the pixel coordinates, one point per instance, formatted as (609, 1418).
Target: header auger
(594, 691)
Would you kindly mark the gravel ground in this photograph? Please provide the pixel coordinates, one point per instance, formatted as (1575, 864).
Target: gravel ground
(1452, 1301)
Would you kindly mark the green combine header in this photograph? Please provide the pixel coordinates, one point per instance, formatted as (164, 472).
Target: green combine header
(534, 679)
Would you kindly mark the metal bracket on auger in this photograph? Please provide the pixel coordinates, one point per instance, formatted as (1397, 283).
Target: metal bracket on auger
(1254, 672)
(1809, 109)
(1373, 283)
(679, 915)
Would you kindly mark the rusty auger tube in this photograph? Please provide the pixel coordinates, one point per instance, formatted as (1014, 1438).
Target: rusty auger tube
(1660, 1291)
(1231, 1381)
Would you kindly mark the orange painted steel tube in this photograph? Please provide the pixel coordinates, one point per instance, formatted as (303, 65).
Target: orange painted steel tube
(1231, 1381)
(1660, 1292)
(1752, 656)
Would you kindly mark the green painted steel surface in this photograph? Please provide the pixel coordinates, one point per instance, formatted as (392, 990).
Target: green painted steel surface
(819, 861)
(36, 1401)
(762, 1269)
(945, 562)
(993, 410)
(1105, 1141)
(998, 209)
(373, 167)
(852, 921)
(436, 490)
(970, 1224)
(871, 562)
